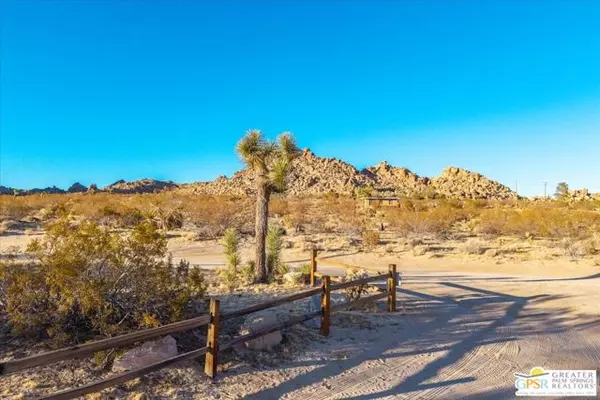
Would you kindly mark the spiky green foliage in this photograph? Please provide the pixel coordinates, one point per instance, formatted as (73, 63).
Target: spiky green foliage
(270, 159)
(232, 256)
(87, 280)
(247, 272)
(274, 246)
(271, 162)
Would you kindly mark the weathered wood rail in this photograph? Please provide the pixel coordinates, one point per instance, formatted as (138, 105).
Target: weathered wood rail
(213, 320)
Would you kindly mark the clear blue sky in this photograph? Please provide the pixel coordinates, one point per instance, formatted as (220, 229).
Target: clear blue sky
(95, 91)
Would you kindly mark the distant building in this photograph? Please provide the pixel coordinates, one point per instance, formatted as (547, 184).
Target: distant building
(377, 201)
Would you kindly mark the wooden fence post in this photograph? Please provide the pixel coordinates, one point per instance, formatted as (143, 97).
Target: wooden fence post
(391, 287)
(212, 341)
(313, 267)
(325, 305)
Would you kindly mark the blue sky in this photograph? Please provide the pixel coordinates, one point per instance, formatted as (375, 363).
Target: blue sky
(96, 91)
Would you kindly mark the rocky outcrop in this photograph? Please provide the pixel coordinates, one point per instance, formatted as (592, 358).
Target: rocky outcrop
(403, 181)
(313, 175)
(77, 188)
(460, 183)
(582, 195)
(140, 186)
(317, 175)
(310, 175)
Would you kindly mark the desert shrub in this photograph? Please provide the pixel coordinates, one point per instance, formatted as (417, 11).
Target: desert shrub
(297, 217)
(364, 192)
(7, 225)
(540, 222)
(370, 238)
(474, 246)
(305, 273)
(88, 280)
(130, 218)
(278, 207)
(247, 272)
(576, 249)
(420, 250)
(354, 293)
(274, 244)
(231, 249)
(437, 221)
(165, 218)
(213, 215)
(17, 207)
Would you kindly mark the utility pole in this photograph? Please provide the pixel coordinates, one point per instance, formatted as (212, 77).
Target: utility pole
(545, 185)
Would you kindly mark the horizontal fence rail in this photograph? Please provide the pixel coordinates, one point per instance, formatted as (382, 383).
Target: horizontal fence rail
(358, 282)
(270, 304)
(72, 352)
(213, 321)
(123, 377)
(270, 329)
(359, 302)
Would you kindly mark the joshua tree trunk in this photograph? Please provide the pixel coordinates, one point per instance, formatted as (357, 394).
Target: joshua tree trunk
(262, 216)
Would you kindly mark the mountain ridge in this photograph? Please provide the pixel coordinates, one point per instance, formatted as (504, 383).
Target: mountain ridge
(313, 175)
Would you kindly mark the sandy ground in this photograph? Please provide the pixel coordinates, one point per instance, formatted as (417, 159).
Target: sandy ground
(464, 326)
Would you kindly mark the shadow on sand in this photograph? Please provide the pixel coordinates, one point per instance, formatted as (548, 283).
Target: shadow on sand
(461, 323)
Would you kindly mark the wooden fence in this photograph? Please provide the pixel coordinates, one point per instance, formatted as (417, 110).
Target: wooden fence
(314, 274)
(213, 320)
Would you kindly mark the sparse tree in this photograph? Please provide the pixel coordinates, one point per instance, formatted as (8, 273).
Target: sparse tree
(562, 191)
(270, 161)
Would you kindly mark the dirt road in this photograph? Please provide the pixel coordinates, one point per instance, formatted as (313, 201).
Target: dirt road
(463, 337)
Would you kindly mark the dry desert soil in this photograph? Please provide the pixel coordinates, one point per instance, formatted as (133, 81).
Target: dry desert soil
(464, 326)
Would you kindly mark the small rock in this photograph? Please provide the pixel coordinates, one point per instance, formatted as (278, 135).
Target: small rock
(314, 305)
(256, 323)
(146, 354)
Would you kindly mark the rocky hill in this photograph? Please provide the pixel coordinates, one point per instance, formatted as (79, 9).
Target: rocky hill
(317, 175)
(401, 180)
(313, 175)
(121, 186)
(459, 183)
(140, 186)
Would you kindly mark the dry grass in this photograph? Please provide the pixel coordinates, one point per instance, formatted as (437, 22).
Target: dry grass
(540, 222)
(209, 216)
(474, 246)
(370, 239)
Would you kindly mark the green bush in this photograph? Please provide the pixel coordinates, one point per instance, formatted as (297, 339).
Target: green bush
(247, 272)
(231, 248)
(86, 281)
(305, 273)
(274, 244)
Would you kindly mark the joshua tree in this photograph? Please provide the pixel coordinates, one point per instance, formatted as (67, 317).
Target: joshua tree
(271, 162)
(562, 191)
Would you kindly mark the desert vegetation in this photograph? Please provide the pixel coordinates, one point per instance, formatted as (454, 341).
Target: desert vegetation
(271, 162)
(98, 264)
(200, 217)
(86, 280)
